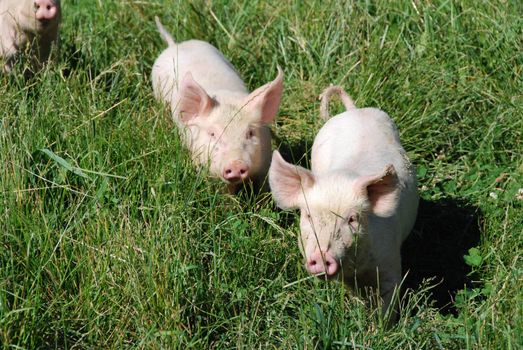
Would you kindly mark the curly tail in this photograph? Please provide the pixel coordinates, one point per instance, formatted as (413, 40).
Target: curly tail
(326, 96)
(164, 33)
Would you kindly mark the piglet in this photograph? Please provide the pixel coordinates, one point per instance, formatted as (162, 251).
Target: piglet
(30, 27)
(222, 124)
(357, 204)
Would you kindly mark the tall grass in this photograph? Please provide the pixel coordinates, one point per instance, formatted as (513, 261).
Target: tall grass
(112, 239)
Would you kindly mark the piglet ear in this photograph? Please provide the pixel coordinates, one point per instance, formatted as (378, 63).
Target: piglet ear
(288, 182)
(194, 101)
(265, 100)
(381, 189)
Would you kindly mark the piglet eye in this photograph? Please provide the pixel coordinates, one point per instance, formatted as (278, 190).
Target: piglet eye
(211, 134)
(352, 223)
(250, 134)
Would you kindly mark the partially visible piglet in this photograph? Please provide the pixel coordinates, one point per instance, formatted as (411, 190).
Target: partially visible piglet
(357, 204)
(29, 27)
(223, 125)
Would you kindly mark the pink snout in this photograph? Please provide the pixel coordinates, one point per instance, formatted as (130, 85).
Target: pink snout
(322, 262)
(236, 171)
(45, 10)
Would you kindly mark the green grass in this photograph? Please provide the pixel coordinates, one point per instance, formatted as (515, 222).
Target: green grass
(139, 249)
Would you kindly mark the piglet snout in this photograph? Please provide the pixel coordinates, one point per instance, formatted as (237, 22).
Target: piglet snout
(236, 171)
(45, 10)
(322, 262)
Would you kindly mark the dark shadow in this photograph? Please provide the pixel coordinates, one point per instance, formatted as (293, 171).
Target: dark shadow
(73, 58)
(78, 62)
(298, 152)
(443, 233)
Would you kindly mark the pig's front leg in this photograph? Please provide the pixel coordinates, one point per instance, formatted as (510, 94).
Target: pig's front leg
(389, 281)
(233, 188)
(8, 49)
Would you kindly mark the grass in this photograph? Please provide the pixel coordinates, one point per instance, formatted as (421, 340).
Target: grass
(112, 239)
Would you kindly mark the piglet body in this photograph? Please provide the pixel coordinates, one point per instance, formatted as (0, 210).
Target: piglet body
(357, 204)
(222, 124)
(28, 26)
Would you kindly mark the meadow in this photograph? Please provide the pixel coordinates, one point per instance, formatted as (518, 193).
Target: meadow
(110, 238)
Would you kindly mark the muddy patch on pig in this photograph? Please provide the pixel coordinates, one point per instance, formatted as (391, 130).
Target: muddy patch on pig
(443, 233)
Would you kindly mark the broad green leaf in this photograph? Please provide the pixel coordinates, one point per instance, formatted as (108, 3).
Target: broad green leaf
(63, 163)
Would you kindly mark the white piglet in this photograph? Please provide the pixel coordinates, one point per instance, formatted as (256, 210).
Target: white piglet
(222, 124)
(357, 204)
(28, 26)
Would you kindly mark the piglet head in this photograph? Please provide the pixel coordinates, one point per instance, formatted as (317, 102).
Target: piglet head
(38, 16)
(46, 10)
(334, 210)
(230, 135)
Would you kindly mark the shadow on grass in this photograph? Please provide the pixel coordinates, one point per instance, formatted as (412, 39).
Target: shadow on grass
(78, 62)
(73, 58)
(442, 235)
(298, 152)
